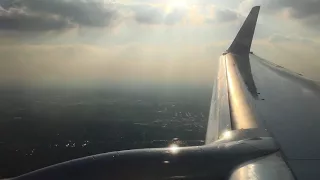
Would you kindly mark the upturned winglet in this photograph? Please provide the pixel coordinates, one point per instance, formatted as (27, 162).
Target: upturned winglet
(242, 42)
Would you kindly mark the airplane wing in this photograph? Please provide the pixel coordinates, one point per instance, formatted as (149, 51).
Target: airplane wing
(263, 124)
(263, 95)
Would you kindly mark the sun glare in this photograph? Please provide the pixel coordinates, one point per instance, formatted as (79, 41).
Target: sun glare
(177, 4)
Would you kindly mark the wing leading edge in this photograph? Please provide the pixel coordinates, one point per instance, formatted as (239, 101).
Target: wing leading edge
(230, 107)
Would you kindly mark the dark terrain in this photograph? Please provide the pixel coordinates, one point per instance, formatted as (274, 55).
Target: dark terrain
(44, 126)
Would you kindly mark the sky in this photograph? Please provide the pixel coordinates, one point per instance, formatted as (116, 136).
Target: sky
(47, 42)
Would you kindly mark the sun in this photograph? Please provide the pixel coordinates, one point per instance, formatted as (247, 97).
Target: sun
(177, 4)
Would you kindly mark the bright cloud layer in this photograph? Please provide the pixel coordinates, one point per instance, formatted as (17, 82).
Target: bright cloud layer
(44, 15)
(167, 40)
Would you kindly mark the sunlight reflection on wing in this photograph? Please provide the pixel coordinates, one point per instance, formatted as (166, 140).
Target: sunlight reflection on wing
(174, 148)
(227, 135)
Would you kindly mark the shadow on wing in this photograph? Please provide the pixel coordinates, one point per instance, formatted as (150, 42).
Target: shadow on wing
(244, 67)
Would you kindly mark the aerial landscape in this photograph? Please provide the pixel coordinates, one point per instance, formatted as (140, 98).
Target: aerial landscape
(82, 78)
(41, 126)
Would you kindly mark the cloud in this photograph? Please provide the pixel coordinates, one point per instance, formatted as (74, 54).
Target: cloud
(147, 14)
(156, 15)
(221, 15)
(44, 15)
(226, 15)
(278, 38)
(305, 11)
(53, 15)
(177, 15)
(87, 13)
(16, 19)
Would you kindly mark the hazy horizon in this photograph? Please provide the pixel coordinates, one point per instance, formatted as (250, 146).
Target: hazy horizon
(150, 41)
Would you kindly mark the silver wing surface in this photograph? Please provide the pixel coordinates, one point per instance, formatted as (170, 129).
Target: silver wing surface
(288, 105)
(254, 93)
